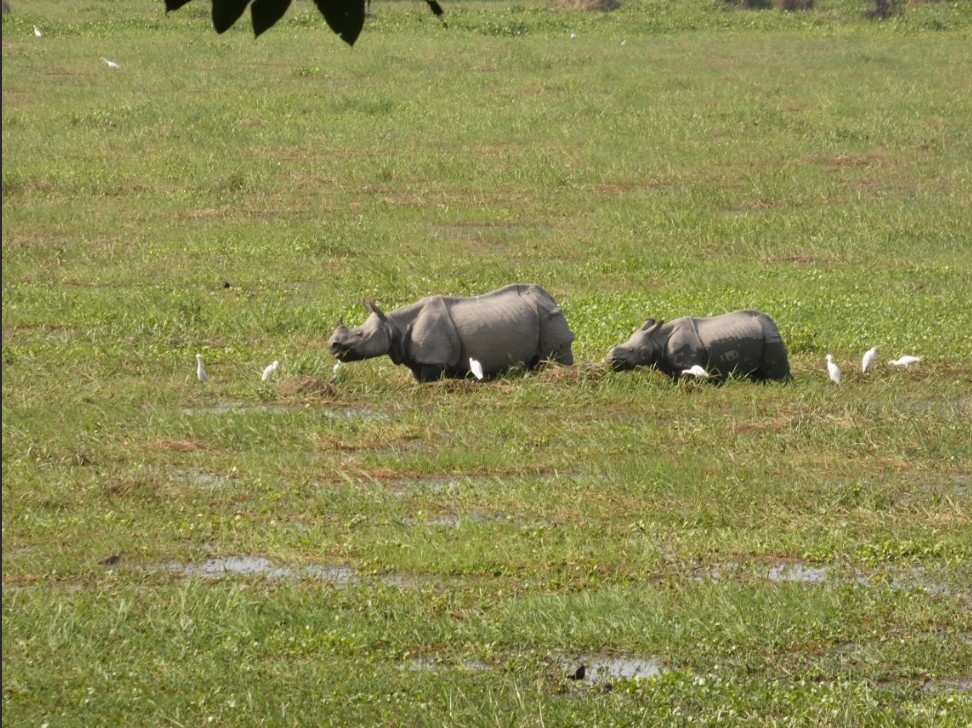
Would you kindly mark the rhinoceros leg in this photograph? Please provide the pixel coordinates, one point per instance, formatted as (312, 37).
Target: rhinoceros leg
(433, 342)
(683, 349)
(426, 372)
(774, 363)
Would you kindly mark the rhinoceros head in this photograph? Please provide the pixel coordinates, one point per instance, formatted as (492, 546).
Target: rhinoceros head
(643, 348)
(369, 340)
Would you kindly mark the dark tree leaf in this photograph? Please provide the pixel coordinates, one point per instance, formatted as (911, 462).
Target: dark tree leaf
(267, 12)
(227, 12)
(346, 17)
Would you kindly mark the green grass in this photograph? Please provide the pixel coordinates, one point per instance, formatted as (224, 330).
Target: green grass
(793, 554)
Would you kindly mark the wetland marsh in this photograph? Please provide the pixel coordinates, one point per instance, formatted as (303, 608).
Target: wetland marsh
(353, 548)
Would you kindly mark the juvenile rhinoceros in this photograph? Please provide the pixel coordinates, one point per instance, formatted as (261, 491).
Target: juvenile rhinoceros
(520, 324)
(744, 343)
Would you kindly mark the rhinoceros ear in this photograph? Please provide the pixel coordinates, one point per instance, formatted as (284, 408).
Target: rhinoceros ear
(372, 307)
(651, 326)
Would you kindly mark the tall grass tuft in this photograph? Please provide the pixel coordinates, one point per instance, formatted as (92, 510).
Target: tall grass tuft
(794, 5)
(604, 6)
(884, 9)
(751, 4)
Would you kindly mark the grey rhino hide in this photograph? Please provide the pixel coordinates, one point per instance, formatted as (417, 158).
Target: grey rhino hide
(743, 343)
(520, 324)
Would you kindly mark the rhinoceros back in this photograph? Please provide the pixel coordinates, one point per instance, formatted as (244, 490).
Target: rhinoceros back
(744, 342)
(505, 327)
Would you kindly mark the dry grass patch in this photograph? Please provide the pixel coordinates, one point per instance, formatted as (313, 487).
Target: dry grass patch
(378, 436)
(386, 439)
(551, 372)
(750, 4)
(884, 9)
(471, 386)
(784, 5)
(604, 6)
(777, 424)
(309, 388)
(853, 160)
(179, 445)
(127, 487)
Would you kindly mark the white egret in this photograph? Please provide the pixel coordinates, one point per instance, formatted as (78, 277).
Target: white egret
(37, 31)
(695, 371)
(476, 368)
(201, 370)
(869, 356)
(270, 370)
(906, 361)
(110, 64)
(833, 370)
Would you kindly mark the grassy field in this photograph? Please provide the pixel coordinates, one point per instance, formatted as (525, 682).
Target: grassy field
(357, 549)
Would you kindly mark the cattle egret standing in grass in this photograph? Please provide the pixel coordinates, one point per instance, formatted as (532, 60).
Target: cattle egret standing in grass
(201, 370)
(695, 371)
(270, 370)
(37, 31)
(110, 64)
(868, 361)
(476, 368)
(906, 361)
(833, 370)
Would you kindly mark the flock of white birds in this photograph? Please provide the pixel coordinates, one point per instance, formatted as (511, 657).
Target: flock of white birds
(271, 370)
(110, 64)
(268, 373)
(696, 371)
(867, 363)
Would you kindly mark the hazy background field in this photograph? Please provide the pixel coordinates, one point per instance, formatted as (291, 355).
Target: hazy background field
(359, 549)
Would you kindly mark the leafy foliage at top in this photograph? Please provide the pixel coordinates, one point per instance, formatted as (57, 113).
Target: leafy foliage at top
(345, 17)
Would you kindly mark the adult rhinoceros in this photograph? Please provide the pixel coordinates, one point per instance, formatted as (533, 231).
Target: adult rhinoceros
(520, 324)
(745, 343)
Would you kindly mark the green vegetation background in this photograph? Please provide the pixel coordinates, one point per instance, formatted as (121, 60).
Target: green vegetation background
(437, 554)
